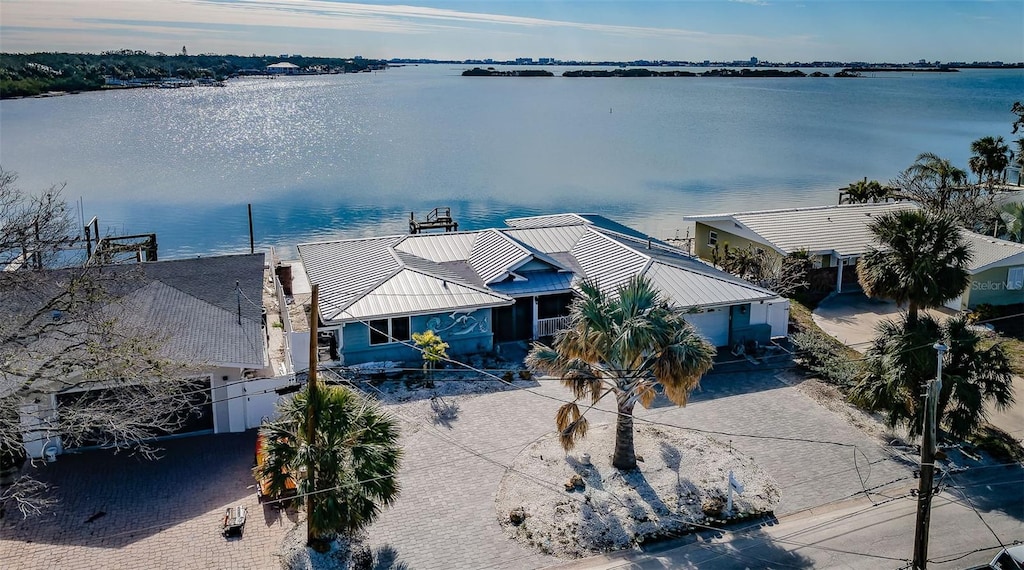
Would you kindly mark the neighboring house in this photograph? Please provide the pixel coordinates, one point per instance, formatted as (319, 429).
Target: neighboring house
(997, 273)
(834, 236)
(283, 68)
(481, 288)
(208, 312)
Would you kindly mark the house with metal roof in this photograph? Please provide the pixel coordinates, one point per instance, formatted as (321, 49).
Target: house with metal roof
(481, 288)
(206, 313)
(996, 270)
(283, 68)
(834, 236)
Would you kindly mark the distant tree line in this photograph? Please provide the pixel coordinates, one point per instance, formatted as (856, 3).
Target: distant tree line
(31, 74)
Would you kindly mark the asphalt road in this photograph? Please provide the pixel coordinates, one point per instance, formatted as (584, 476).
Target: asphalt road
(860, 533)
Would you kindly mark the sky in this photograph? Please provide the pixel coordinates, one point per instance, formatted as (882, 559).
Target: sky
(617, 30)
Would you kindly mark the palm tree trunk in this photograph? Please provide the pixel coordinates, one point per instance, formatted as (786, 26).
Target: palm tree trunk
(911, 314)
(625, 455)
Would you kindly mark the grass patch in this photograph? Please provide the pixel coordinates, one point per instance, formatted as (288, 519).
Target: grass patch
(1014, 348)
(998, 444)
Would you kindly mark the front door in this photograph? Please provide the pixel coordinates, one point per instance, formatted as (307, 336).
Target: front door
(515, 322)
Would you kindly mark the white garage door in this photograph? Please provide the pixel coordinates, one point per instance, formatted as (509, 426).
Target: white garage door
(713, 324)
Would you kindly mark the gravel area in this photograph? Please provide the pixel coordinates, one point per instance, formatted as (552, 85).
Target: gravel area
(681, 481)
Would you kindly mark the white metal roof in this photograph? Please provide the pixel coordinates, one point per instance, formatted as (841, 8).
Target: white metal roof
(991, 252)
(412, 292)
(694, 289)
(822, 229)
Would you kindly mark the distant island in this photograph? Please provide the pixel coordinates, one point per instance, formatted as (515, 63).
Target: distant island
(491, 72)
(27, 75)
(644, 72)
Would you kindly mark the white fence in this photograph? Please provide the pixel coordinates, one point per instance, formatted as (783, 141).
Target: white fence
(548, 327)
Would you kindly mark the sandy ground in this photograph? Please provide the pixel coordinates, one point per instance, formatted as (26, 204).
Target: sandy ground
(682, 480)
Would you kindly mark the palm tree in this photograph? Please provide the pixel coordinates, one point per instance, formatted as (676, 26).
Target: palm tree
(901, 361)
(623, 344)
(936, 172)
(922, 260)
(355, 457)
(864, 191)
(991, 157)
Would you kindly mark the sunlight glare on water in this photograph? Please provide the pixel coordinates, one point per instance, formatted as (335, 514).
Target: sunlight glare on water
(322, 157)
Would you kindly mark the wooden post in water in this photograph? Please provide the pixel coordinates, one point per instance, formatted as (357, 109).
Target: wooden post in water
(311, 395)
(252, 243)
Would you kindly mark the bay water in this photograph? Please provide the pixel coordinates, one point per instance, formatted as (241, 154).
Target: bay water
(322, 157)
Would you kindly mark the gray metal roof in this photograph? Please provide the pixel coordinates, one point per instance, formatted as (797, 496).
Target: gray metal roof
(439, 247)
(564, 220)
(495, 255)
(398, 275)
(347, 269)
(606, 261)
(547, 221)
(991, 252)
(548, 239)
(822, 229)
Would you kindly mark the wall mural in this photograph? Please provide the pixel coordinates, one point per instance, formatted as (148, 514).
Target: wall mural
(457, 324)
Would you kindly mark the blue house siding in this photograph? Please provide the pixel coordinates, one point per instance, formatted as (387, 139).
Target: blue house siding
(465, 334)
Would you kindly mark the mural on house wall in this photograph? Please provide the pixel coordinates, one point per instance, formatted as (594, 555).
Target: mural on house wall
(457, 324)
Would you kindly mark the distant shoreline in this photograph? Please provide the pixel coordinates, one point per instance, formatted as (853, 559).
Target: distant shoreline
(644, 72)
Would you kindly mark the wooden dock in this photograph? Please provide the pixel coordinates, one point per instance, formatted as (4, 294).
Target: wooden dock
(438, 218)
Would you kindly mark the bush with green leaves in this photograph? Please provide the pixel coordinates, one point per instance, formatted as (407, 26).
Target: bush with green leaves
(826, 357)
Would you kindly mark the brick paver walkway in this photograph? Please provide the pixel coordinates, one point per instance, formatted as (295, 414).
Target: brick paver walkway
(167, 514)
(162, 514)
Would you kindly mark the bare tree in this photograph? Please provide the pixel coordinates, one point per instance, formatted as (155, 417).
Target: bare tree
(970, 205)
(76, 362)
(784, 275)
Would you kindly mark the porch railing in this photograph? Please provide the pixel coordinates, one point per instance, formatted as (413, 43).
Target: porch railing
(548, 327)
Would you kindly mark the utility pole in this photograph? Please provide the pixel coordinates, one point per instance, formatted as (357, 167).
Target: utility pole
(924, 491)
(311, 395)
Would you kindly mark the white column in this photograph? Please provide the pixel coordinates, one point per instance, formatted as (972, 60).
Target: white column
(839, 275)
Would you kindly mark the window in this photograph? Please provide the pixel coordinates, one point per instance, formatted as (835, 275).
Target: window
(384, 331)
(712, 238)
(1015, 278)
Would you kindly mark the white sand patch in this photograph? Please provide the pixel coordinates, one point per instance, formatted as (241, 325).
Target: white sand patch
(681, 474)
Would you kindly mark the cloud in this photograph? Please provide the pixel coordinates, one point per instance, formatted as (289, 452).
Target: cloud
(312, 14)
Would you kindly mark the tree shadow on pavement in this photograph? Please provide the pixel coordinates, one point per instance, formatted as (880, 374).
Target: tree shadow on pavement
(386, 558)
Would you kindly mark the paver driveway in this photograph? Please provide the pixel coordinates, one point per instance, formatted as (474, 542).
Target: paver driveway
(166, 514)
(156, 514)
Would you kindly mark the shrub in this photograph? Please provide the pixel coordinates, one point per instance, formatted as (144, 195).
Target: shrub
(826, 357)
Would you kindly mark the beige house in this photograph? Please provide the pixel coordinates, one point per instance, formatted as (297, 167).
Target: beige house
(835, 236)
